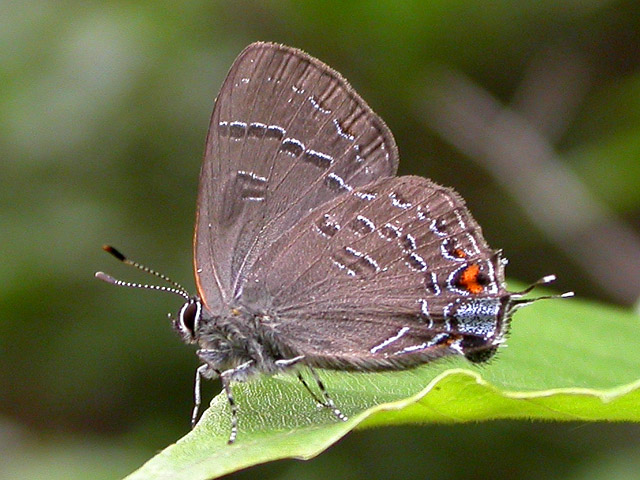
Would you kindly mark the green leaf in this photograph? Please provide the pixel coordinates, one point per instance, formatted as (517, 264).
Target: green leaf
(565, 360)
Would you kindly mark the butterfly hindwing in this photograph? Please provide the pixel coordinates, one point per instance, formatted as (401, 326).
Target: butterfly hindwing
(369, 276)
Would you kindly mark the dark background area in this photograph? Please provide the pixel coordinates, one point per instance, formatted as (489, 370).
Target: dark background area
(531, 110)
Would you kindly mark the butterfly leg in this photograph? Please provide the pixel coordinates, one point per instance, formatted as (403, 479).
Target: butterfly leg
(311, 392)
(227, 377)
(226, 384)
(287, 362)
(201, 371)
(328, 401)
(292, 361)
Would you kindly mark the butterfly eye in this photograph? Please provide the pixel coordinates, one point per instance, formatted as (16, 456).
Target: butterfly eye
(188, 319)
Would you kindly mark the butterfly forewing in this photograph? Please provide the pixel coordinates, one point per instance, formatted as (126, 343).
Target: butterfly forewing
(287, 135)
(368, 277)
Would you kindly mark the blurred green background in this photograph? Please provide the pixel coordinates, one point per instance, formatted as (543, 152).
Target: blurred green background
(104, 108)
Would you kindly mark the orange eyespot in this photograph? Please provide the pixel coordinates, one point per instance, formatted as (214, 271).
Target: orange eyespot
(458, 252)
(469, 279)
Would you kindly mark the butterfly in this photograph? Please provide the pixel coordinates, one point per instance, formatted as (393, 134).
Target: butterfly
(310, 251)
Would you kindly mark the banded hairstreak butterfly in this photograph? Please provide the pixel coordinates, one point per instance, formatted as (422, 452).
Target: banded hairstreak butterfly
(310, 251)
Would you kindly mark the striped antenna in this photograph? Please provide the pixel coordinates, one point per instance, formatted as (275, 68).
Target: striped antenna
(176, 288)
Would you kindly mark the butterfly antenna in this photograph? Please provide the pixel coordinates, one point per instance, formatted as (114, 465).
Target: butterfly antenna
(517, 301)
(176, 287)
